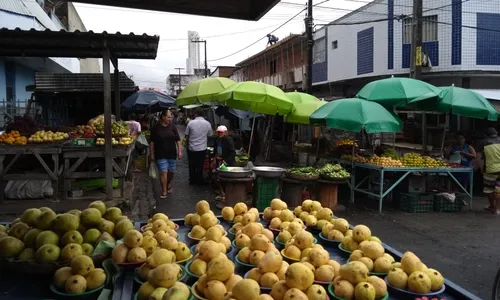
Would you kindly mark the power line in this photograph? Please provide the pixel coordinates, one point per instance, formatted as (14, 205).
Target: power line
(234, 53)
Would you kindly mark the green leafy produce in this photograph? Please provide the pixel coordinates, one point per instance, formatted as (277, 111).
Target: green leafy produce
(334, 171)
(305, 171)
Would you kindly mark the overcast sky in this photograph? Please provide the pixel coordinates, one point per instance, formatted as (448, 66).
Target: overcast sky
(224, 36)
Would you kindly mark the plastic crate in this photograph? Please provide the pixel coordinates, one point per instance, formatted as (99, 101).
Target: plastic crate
(265, 190)
(441, 204)
(416, 202)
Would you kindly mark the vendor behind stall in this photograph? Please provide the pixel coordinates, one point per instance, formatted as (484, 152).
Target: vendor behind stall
(224, 146)
(463, 152)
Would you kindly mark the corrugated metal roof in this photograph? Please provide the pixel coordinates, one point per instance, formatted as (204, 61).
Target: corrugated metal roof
(78, 82)
(47, 43)
(15, 6)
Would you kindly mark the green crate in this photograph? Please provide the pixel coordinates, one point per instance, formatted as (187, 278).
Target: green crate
(416, 202)
(443, 205)
(265, 190)
(81, 142)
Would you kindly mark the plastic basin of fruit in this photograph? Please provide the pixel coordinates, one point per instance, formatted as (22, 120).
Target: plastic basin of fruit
(413, 294)
(191, 226)
(129, 266)
(87, 294)
(181, 278)
(313, 229)
(289, 259)
(197, 240)
(263, 290)
(373, 273)
(143, 228)
(230, 234)
(183, 261)
(332, 293)
(328, 241)
(344, 251)
(233, 243)
(243, 265)
(281, 245)
(228, 252)
(188, 272)
(194, 292)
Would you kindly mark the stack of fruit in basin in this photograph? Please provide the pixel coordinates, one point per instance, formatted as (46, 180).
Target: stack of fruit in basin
(240, 213)
(80, 277)
(202, 221)
(42, 236)
(313, 214)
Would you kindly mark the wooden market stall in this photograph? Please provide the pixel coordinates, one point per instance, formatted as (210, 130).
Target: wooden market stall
(110, 47)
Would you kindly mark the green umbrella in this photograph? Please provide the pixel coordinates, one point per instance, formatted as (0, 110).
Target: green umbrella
(257, 97)
(396, 91)
(461, 102)
(303, 106)
(202, 91)
(353, 114)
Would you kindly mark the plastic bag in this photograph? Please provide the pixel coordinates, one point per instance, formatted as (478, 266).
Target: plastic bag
(141, 144)
(28, 189)
(153, 170)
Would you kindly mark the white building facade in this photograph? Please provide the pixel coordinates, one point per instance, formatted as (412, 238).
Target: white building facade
(460, 38)
(193, 60)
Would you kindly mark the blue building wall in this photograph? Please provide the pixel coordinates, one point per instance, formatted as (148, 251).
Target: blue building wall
(365, 51)
(488, 40)
(24, 76)
(431, 48)
(456, 32)
(390, 34)
(320, 70)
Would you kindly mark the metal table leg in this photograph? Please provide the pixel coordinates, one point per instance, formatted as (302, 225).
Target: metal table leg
(381, 191)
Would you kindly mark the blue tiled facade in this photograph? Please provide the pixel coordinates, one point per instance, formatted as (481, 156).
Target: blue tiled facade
(431, 48)
(456, 32)
(390, 34)
(320, 70)
(488, 40)
(365, 51)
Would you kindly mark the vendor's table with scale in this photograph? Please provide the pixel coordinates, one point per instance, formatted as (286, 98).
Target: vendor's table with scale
(356, 186)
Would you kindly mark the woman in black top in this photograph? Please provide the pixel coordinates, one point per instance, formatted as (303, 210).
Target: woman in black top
(165, 147)
(224, 146)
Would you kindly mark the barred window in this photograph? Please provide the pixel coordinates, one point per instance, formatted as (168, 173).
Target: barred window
(429, 29)
(319, 51)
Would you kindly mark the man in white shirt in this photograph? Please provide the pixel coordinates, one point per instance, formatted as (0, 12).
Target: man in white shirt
(197, 132)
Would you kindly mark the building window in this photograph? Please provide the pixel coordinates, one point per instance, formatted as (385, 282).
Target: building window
(335, 45)
(319, 51)
(272, 67)
(429, 29)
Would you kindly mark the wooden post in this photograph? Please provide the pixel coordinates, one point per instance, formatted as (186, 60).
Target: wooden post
(108, 147)
(118, 114)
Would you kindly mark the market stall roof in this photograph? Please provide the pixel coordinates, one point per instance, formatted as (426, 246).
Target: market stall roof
(48, 43)
(251, 10)
(78, 82)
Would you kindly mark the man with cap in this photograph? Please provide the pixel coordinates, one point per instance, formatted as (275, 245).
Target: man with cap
(490, 151)
(224, 146)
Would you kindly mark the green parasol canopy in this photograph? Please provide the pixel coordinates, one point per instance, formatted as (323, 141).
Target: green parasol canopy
(397, 91)
(303, 106)
(460, 102)
(353, 114)
(202, 91)
(257, 97)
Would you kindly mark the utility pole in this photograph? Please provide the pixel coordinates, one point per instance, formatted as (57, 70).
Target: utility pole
(180, 81)
(205, 45)
(416, 57)
(310, 44)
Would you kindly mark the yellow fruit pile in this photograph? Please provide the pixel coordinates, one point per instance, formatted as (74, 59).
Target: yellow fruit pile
(81, 276)
(270, 269)
(240, 214)
(385, 162)
(206, 251)
(12, 138)
(202, 221)
(298, 284)
(336, 230)
(43, 236)
(372, 254)
(415, 160)
(357, 158)
(283, 218)
(249, 231)
(253, 249)
(413, 275)
(219, 278)
(299, 246)
(352, 240)
(311, 211)
(345, 142)
(354, 282)
(162, 283)
(126, 140)
(43, 136)
(274, 211)
(288, 231)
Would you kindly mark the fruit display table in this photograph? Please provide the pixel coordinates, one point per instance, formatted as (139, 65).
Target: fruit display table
(402, 172)
(43, 153)
(75, 156)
